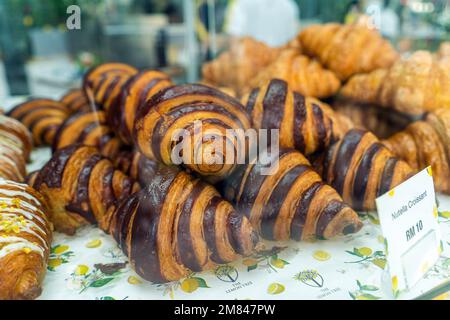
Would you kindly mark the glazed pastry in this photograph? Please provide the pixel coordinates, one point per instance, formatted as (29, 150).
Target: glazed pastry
(347, 49)
(91, 129)
(103, 84)
(161, 121)
(15, 148)
(303, 75)
(42, 117)
(286, 199)
(413, 85)
(25, 238)
(136, 91)
(178, 225)
(361, 169)
(81, 187)
(241, 63)
(380, 121)
(305, 124)
(136, 166)
(76, 101)
(425, 143)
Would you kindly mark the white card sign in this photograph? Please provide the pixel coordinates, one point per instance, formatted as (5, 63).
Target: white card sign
(409, 222)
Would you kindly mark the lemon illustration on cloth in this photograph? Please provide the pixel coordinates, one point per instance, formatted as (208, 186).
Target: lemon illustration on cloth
(94, 244)
(249, 262)
(54, 263)
(278, 263)
(365, 251)
(189, 285)
(81, 270)
(321, 255)
(60, 249)
(394, 283)
(134, 280)
(275, 288)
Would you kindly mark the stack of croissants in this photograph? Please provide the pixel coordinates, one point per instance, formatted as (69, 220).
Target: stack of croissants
(111, 161)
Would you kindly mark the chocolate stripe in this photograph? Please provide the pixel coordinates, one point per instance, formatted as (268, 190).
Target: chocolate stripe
(344, 157)
(273, 105)
(301, 212)
(320, 127)
(184, 241)
(209, 228)
(276, 200)
(108, 196)
(252, 101)
(386, 179)
(328, 214)
(362, 175)
(300, 114)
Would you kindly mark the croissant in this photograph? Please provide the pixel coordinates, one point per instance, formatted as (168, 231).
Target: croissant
(42, 117)
(81, 187)
(305, 123)
(361, 169)
(444, 51)
(178, 225)
(91, 129)
(413, 86)
(304, 75)
(241, 63)
(347, 49)
(137, 90)
(380, 121)
(103, 84)
(288, 199)
(25, 238)
(76, 101)
(187, 107)
(136, 166)
(425, 143)
(15, 148)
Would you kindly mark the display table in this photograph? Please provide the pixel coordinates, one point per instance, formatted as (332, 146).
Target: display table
(89, 265)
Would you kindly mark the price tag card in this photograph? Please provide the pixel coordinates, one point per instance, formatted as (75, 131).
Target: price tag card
(409, 222)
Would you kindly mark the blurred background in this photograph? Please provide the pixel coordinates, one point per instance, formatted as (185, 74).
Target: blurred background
(41, 55)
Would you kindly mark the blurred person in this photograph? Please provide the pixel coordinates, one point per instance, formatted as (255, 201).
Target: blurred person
(273, 22)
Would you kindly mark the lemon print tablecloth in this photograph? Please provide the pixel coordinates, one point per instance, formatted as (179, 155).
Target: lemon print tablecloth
(89, 265)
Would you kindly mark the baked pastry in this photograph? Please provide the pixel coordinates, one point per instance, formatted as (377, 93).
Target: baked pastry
(81, 187)
(89, 128)
(135, 165)
(103, 84)
(425, 143)
(25, 238)
(361, 169)
(178, 225)
(76, 101)
(193, 122)
(382, 122)
(347, 49)
(305, 123)
(303, 75)
(136, 91)
(15, 148)
(42, 117)
(413, 85)
(286, 199)
(241, 63)
(444, 51)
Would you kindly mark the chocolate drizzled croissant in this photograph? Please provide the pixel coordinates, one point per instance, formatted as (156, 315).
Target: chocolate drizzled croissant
(185, 107)
(88, 128)
(81, 187)
(286, 199)
(136, 91)
(361, 169)
(15, 148)
(178, 225)
(25, 238)
(305, 123)
(426, 143)
(76, 101)
(42, 117)
(103, 84)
